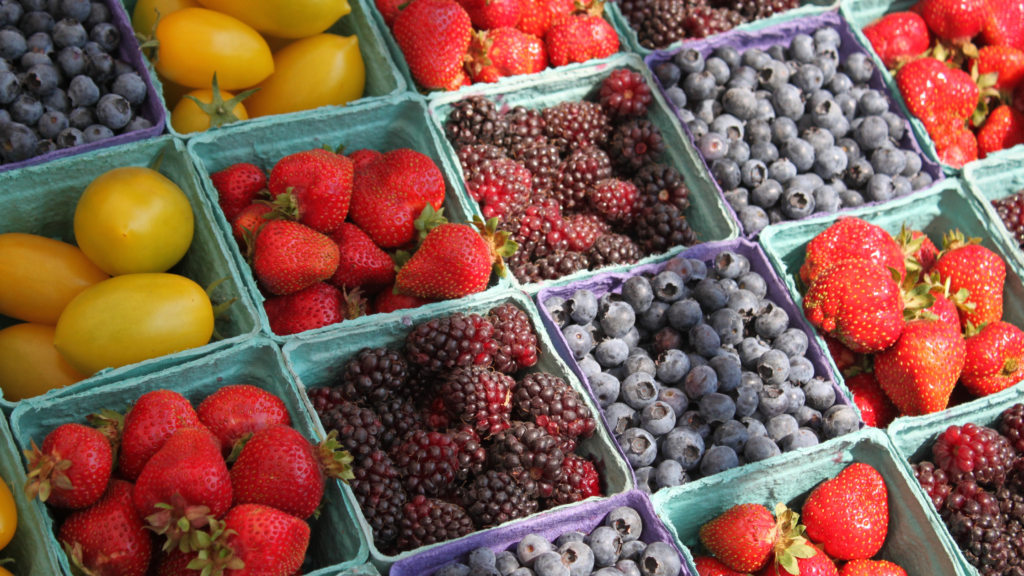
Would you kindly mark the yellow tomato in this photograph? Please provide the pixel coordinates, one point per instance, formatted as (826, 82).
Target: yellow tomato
(132, 318)
(195, 43)
(30, 366)
(284, 18)
(187, 117)
(132, 220)
(335, 63)
(8, 515)
(172, 92)
(40, 276)
(146, 12)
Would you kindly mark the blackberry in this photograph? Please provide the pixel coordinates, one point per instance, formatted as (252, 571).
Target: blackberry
(612, 249)
(501, 186)
(358, 428)
(525, 126)
(542, 160)
(1011, 212)
(579, 482)
(660, 183)
(584, 229)
(974, 452)
(625, 94)
(480, 397)
(495, 498)
(399, 418)
(516, 339)
(475, 120)
(934, 481)
(636, 144)
(374, 375)
(554, 406)
(613, 199)
(472, 455)
(663, 25)
(325, 398)
(473, 155)
(661, 227)
(573, 125)
(751, 10)
(969, 512)
(551, 267)
(636, 11)
(530, 455)
(539, 231)
(428, 462)
(578, 174)
(456, 340)
(378, 491)
(428, 521)
(1011, 425)
(705, 21)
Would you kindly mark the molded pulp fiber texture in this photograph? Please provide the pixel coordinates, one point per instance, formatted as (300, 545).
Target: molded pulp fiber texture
(37, 201)
(916, 539)
(151, 109)
(940, 209)
(336, 543)
(383, 78)
(993, 178)
(583, 518)
(319, 360)
(400, 122)
(708, 215)
(783, 34)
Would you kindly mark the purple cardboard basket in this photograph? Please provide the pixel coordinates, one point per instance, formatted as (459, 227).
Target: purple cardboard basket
(151, 109)
(583, 517)
(782, 34)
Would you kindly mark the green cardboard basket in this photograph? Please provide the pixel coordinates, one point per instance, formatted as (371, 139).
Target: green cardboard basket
(317, 360)
(336, 543)
(41, 200)
(708, 215)
(993, 178)
(916, 539)
(400, 122)
(383, 78)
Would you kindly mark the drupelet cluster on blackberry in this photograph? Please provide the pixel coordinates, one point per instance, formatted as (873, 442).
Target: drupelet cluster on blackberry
(553, 405)
(428, 521)
(374, 375)
(476, 120)
(480, 397)
(635, 145)
(358, 428)
(494, 498)
(517, 344)
(660, 23)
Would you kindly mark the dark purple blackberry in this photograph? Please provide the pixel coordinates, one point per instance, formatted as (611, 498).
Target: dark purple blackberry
(495, 498)
(472, 455)
(480, 397)
(580, 481)
(577, 176)
(358, 428)
(374, 375)
(553, 405)
(752, 10)
(428, 521)
(539, 230)
(529, 454)
(471, 157)
(516, 339)
(325, 398)
(428, 462)
(1011, 425)
(636, 144)
(975, 452)
(706, 21)
(475, 120)
(934, 481)
(456, 340)
(661, 24)
(551, 267)
(378, 490)
(502, 187)
(659, 183)
(542, 160)
(612, 249)
(625, 94)
(399, 418)
(661, 227)
(572, 125)
(1011, 212)
(525, 127)
(635, 11)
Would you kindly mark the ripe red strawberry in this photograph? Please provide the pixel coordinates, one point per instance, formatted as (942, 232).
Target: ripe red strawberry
(389, 9)
(1003, 129)
(945, 306)
(582, 37)
(72, 469)
(851, 239)
(1004, 23)
(237, 186)
(938, 95)
(362, 264)
(247, 223)
(492, 14)
(872, 568)
(858, 303)
(315, 187)
(958, 20)
(995, 358)
(236, 412)
(1006, 61)
(308, 309)
(875, 407)
(176, 563)
(919, 372)
(966, 264)
(742, 538)
(255, 540)
(280, 468)
(434, 36)
(537, 15)
(962, 149)
(108, 538)
(363, 158)
(898, 36)
(388, 301)
(289, 257)
(455, 260)
(154, 418)
(709, 566)
(504, 52)
(848, 516)
(818, 564)
(919, 251)
(841, 355)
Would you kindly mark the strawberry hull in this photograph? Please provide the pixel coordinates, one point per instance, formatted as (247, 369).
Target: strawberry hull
(994, 178)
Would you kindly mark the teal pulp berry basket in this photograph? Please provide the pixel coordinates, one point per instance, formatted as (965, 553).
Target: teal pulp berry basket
(995, 178)
(319, 360)
(41, 200)
(336, 543)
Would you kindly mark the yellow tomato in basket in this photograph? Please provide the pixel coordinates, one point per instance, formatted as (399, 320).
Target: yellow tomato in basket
(334, 61)
(188, 117)
(8, 515)
(30, 366)
(147, 11)
(133, 318)
(132, 220)
(284, 18)
(40, 276)
(195, 43)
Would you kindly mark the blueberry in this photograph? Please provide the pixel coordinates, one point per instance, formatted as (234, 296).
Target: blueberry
(530, 547)
(667, 73)
(506, 562)
(751, 380)
(771, 322)
(773, 75)
(668, 286)
(728, 264)
(618, 320)
(673, 366)
(69, 138)
(581, 307)
(757, 131)
(797, 203)
(482, 558)
(828, 67)
(580, 342)
(772, 401)
(858, 174)
(921, 180)
(710, 295)
(838, 421)
(669, 473)
(41, 79)
(808, 417)
(658, 418)
(809, 78)
(743, 301)
(793, 342)
(576, 556)
(605, 388)
(639, 363)
(788, 102)
(11, 12)
(783, 130)
(51, 124)
(77, 9)
(755, 58)
(728, 284)
(801, 48)
(454, 569)
(655, 317)
(97, 132)
(743, 77)
(685, 446)
(10, 86)
(753, 218)
(697, 128)
(827, 36)
(880, 188)
(107, 36)
(704, 340)
(12, 44)
(660, 559)
(675, 399)
(699, 86)
(693, 419)
(639, 390)
(114, 111)
(621, 417)
(728, 370)
(606, 543)
(628, 567)
(800, 153)
(753, 173)
(101, 67)
(680, 266)
(727, 125)
(727, 173)
(888, 161)
(732, 434)
(858, 67)
(828, 115)
(707, 111)
(627, 522)
(728, 325)
(746, 401)
(689, 61)
(718, 459)
(26, 110)
(555, 306)
(677, 97)
(800, 370)
(717, 408)
(767, 194)
(550, 564)
(712, 146)
(131, 87)
(780, 426)
(872, 133)
(573, 536)
(637, 293)
(819, 138)
(750, 350)
(37, 21)
(83, 91)
(807, 182)
(773, 367)
(795, 397)
(17, 142)
(740, 102)
(760, 448)
(826, 200)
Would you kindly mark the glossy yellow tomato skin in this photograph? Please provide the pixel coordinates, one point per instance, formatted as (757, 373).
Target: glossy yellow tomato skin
(335, 62)
(145, 14)
(133, 220)
(187, 117)
(8, 515)
(195, 43)
(30, 366)
(40, 276)
(284, 18)
(133, 318)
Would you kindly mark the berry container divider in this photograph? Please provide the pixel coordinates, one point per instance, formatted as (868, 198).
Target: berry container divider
(336, 542)
(943, 208)
(152, 110)
(383, 78)
(995, 178)
(783, 33)
(916, 539)
(709, 216)
(382, 125)
(583, 518)
(38, 201)
(318, 360)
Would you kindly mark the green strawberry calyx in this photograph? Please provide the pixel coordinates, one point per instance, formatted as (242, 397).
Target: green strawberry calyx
(917, 296)
(910, 246)
(181, 524)
(956, 239)
(428, 220)
(219, 110)
(499, 242)
(336, 463)
(111, 425)
(45, 471)
(791, 544)
(214, 556)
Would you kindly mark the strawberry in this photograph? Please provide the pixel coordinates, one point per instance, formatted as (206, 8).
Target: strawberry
(235, 412)
(455, 260)
(938, 95)
(581, 37)
(962, 150)
(858, 303)
(742, 538)
(504, 52)
(154, 418)
(362, 263)
(967, 265)
(955, 20)
(182, 485)
(995, 358)
(289, 257)
(1006, 61)
(851, 239)
(818, 564)
(363, 158)
(875, 407)
(108, 538)
(919, 252)
(388, 301)
(72, 469)
(918, 373)
(434, 36)
(708, 566)
(314, 187)
(238, 186)
(176, 564)
(537, 15)
(389, 9)
(314, 307)
(492, 14)
(848, 516)
(280, 468)
(1004, 23)
(898, 36)
(255, 540)
(1003, 129)
(841, 355)
(872, 568)
(946, 305)
(248, 222)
